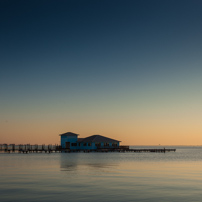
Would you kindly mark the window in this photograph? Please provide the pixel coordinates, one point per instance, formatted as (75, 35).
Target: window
(74, 144)
(114, 144)
(106, 144)
(84, 144)
(79, 144)
(89, 144)
(97, 144)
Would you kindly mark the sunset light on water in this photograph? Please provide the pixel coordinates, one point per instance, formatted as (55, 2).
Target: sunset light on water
(125, 76)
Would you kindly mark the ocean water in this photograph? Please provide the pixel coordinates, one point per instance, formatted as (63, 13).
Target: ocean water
(152, 177)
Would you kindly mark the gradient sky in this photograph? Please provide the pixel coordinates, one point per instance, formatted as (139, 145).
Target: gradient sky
(127, 69)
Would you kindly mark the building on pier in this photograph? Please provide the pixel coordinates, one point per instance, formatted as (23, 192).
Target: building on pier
(71, 141)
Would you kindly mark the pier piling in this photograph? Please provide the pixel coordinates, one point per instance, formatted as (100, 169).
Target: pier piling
(27, 148)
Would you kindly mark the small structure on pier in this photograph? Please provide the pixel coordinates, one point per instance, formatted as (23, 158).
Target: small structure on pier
(71, 141)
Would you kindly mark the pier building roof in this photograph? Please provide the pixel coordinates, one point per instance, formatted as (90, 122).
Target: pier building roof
(69, 134)
(98, 138)
(79, 139)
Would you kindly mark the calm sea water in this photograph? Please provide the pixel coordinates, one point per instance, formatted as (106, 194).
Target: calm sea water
(174, 176)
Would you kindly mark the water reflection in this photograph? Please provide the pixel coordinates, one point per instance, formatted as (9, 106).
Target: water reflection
(113, 177)
(78, 161)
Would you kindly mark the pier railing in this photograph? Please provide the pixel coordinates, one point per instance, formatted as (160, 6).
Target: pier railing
(27, 148)
(124, 147)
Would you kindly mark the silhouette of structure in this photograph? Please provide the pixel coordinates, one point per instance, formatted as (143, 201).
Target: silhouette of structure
(71, 141)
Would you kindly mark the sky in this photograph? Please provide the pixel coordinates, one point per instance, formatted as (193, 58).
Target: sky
(130, 70)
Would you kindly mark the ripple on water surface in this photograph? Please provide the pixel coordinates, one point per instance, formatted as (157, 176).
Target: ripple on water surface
(174, 176)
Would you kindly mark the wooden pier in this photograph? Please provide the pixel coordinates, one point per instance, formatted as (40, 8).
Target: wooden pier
(27, 148)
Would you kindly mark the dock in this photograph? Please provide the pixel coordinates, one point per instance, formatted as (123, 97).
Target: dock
(27, 148)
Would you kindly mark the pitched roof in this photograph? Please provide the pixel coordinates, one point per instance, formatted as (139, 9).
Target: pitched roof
(69, 134)
(79, 139)
(98, 138)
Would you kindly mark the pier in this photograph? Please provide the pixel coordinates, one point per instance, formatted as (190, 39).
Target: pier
(27, 148)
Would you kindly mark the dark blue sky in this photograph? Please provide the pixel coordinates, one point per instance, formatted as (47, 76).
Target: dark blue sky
(113, 58)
